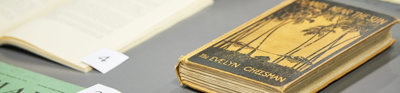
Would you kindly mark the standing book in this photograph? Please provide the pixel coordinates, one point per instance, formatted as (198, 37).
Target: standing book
(297, 46)
(65, 31)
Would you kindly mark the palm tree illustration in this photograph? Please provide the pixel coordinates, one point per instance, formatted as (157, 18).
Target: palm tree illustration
(347, 23)
(319, 31)
(235, 38)
(350, 24)
(306, 14)
(295, 15)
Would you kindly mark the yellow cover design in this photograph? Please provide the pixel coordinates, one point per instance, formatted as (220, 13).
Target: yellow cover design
(280, 47)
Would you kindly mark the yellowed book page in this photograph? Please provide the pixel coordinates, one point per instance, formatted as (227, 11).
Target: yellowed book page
(392, 1)
(16, 12)
(82, 27)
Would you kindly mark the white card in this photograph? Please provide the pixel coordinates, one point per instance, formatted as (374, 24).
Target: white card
(99, 88)
(104, 60)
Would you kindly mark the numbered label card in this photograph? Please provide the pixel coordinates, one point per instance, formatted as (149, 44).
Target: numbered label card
(99, 88)
(104, 60)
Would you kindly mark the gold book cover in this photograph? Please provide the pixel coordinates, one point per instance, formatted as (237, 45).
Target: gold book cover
(287, 42)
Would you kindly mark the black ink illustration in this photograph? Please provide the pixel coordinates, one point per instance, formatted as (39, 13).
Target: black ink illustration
(294, 39)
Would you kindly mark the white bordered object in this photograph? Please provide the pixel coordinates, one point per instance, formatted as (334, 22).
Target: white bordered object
(105, 60)
(99, 88)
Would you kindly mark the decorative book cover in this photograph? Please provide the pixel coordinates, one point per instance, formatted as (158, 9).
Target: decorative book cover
(285, 43)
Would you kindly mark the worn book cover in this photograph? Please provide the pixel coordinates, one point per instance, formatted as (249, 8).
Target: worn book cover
(288, 41)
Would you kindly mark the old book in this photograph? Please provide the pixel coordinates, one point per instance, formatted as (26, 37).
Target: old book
(65, 31)
(297, 46)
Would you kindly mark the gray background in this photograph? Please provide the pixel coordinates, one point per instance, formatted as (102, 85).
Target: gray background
(151, 66)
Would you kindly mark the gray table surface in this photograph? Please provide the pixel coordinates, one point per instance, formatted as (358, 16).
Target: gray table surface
(151, 66)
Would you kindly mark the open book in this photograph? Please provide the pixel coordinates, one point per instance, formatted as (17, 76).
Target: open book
(65, 31)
